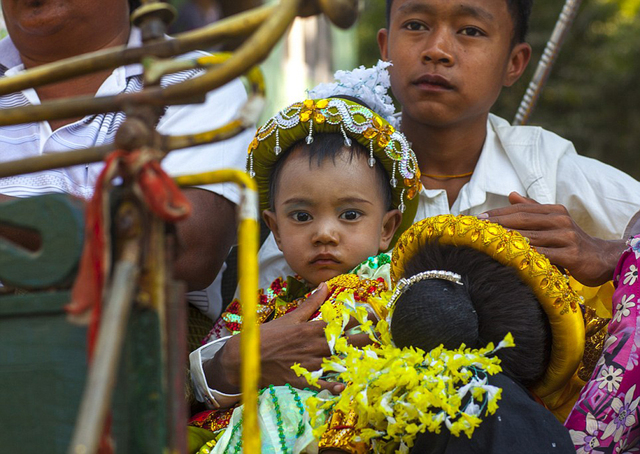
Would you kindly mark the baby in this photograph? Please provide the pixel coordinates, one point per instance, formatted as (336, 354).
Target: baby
(334, 180)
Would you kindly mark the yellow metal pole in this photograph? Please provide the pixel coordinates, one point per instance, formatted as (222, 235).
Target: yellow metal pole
(253, 51)
(205, 37)
(248, 233)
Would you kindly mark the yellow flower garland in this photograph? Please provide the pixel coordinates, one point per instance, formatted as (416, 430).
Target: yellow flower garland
(398, 393)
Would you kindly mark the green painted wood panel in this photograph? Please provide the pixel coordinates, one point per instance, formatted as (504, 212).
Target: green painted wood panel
(42, 374)
(43, 360)
(59, 220)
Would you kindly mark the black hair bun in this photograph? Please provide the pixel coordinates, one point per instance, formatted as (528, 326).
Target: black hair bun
(433, 312)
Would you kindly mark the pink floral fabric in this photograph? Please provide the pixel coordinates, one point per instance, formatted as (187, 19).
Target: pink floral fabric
(605, 419)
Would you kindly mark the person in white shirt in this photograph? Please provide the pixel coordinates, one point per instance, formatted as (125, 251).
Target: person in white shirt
(450, 62)
(447, 81)
(47, 31)
(526, 160)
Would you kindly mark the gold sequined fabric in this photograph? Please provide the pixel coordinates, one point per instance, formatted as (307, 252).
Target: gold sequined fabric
(340, 434)
(596, 335)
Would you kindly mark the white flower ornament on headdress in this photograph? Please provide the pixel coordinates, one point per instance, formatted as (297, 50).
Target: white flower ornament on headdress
(370, 85)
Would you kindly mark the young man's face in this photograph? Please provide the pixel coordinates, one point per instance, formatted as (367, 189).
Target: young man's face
(450, 59)
(329, 217)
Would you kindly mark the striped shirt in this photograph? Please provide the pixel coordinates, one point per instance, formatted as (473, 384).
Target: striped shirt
(36, 139)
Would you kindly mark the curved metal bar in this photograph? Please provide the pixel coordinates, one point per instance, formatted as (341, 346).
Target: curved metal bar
(54, 161)
(155, 69)
(96, 154)
(239, 24)
(549, 56)
(252, 52)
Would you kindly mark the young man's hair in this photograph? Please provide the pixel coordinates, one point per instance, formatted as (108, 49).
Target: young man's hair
(133, 4)
(330, 146)
(492, 302)
(520, 11)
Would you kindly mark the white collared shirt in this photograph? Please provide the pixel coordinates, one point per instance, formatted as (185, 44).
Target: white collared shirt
(35, 139)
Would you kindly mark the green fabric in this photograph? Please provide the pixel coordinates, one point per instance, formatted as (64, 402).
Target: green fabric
(197, 437)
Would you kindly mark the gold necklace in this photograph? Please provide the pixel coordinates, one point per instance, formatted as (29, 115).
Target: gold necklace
(448, 177)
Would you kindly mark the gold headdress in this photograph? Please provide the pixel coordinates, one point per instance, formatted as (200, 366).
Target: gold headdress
(355, 122)
(559, 301)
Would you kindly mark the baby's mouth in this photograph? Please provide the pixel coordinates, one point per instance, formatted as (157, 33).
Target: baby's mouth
(324, 259)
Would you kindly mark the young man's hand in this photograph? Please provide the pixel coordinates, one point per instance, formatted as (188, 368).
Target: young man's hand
(284, 341)
(551, 230)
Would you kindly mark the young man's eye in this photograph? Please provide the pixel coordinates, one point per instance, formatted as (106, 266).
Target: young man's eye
(471, 31)
(414, 26)
(301, 216)
(350, 215)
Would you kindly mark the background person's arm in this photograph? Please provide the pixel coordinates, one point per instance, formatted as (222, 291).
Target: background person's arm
(204, 238)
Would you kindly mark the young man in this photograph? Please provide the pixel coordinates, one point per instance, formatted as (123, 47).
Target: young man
(50, 30)
(450, 62)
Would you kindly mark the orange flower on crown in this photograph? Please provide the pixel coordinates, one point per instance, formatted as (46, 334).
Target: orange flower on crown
(414, 184)
(253, 145)
(383, 132)
(311, 109)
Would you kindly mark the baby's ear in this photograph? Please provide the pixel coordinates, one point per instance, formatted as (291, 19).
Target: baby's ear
(269, 218)
(390, 223)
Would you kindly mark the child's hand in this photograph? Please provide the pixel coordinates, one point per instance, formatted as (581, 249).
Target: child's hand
(287, 340)
(551, 230)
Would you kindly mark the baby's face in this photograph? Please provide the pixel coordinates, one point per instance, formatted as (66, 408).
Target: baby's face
(329, 217)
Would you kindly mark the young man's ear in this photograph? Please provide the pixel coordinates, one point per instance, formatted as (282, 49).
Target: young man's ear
(518, 61)
(390, 224)
(383, 34)
(269, 218)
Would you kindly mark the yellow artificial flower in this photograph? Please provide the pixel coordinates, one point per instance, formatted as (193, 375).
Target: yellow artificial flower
(311, 109)
(382, 132)
(398, 393)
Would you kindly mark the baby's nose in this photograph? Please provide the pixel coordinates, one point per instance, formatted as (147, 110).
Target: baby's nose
(326, 234)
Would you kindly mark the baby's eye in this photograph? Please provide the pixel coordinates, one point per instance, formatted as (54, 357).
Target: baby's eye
(415, 26)
(301, 216)
(472, 31)
(350, 215)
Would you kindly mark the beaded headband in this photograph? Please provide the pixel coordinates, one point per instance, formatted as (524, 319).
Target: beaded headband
(302, 120)
(404, 283)
(559, 302)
